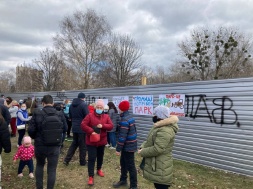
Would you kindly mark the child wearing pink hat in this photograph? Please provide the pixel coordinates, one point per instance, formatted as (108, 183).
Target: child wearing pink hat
(25, 153)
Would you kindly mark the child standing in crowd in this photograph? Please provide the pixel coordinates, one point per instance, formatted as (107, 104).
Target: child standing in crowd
(25, 153)
(126, 146)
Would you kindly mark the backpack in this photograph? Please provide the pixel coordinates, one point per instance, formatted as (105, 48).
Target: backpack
(51, 128)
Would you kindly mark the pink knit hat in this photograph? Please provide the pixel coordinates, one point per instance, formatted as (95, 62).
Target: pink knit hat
(100, 102)
(27, 140)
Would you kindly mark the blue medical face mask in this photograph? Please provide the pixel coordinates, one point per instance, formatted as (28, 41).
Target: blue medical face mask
(98, 111)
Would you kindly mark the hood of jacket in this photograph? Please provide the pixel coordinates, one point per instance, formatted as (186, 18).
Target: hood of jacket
(76, 102)
(170, 121)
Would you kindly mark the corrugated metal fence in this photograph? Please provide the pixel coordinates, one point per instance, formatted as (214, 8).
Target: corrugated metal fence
(217, 130)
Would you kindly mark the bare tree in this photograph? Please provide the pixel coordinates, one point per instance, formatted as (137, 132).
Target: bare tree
(122, 65)
(51, 65)
(158, 75)
(208, 52)
(81, 41)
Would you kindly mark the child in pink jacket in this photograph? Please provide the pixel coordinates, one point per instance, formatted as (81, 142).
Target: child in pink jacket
(25, 153)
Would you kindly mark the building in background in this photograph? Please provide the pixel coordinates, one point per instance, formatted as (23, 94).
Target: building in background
(28, 79)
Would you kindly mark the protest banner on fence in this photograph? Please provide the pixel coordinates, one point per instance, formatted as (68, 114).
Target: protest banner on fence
(175, 102)
(117, 99)
(143, 104)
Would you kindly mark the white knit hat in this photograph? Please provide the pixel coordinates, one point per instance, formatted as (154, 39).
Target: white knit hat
(106, 107)
(162, 112)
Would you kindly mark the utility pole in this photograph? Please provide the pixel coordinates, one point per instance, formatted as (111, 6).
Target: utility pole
(143, 80)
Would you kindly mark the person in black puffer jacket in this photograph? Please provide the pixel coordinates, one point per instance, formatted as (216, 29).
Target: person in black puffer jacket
(78, 110)
(5, 142)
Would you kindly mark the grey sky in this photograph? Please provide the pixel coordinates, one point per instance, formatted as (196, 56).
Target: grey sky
(27, 26)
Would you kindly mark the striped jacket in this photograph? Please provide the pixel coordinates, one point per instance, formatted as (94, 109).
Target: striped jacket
(127, 133)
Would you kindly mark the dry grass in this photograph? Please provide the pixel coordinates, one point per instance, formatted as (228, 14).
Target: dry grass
(186, 175)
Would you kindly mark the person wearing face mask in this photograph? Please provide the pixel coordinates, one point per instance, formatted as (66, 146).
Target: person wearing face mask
(13, 111)
(22, 118)
(96, 123)
(157, 149)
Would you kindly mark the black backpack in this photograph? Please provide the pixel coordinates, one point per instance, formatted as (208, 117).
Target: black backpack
(51, 128)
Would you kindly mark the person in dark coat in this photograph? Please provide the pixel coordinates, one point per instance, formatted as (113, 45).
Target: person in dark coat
(77, 112)
(113, 113)
(5, 113)
(5, 142)
(45, 152)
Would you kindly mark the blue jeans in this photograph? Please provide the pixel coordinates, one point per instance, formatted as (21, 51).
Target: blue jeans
(22, 164)
(112, 137)
(51, 153)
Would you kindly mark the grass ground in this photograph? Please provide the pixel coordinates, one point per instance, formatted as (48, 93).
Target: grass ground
(186, 175)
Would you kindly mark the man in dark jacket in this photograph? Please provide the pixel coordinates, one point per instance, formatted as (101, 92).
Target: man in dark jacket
(5, 113)
(77, 112)
(44, 151)
(5, 142)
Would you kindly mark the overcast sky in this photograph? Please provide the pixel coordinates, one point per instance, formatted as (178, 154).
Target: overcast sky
(27, 26)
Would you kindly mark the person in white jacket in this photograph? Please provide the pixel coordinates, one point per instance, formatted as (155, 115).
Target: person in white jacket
(13, 111)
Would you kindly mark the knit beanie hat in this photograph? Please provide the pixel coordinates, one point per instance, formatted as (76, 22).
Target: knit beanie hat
(124, 105)
(27, 140)
(81, 95)
(106, 107)
(100, 102)
(162, 112)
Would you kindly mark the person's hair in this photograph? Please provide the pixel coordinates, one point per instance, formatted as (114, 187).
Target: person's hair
(1, 116)
(2, 95)
(112, 106)
(93, 104)
(47, 99)
(10, 99)
(57, 106)
(22, 104)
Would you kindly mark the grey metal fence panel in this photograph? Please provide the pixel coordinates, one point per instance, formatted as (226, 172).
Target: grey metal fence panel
(217, 130)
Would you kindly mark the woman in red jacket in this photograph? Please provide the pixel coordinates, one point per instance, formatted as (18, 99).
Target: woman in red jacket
(95, 124)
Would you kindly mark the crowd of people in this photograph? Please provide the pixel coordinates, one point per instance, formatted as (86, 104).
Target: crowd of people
(91, 128)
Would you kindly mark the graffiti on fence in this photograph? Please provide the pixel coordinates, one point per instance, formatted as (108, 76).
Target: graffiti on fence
(196, 106)
(92, 99)
(61, 95)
